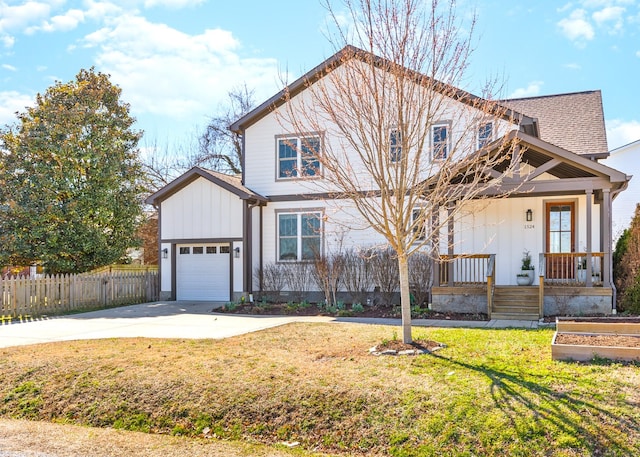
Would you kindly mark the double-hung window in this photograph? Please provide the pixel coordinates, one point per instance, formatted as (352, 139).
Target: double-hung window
(418, 224)
(440, 141)
(299, 236)
(485, 134)
(298, 157)
(395, 146)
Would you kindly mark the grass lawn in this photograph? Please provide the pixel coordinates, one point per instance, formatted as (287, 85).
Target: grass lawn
(490, 392)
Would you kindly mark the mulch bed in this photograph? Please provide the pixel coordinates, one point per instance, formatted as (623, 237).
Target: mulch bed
(397, 345)
(603, 340)
(386, 311)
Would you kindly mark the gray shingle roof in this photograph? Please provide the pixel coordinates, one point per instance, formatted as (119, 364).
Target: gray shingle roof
(231, 183)
(574, 121)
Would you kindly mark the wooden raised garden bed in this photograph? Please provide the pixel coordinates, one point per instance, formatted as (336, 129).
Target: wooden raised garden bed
(584, 339)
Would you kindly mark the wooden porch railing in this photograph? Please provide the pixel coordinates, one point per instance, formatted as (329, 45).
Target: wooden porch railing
(465, 269)
(491, 282)
(572, 268)
(541, 274)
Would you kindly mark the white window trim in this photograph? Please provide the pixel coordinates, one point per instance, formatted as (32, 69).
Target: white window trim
(299, 213)
(488, 140)
(423, 230)
(395, 151)
(298, 166)
(446, 124)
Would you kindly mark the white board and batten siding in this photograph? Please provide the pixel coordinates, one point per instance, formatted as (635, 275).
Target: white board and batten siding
(197, 221)
(499, 227)
(201, 210)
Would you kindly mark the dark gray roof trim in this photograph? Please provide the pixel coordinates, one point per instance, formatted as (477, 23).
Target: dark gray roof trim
(527, 124)
(230, 183)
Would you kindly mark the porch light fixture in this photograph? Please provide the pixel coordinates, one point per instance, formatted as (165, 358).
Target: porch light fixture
(236, 252)
(165, 253)
(529, 215)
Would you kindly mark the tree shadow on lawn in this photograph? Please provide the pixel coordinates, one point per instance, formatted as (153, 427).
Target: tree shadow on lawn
(570, 413)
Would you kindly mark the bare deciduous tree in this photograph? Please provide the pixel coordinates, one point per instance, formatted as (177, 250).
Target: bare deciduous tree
(217, 148)
(400, 139)
(220, 148)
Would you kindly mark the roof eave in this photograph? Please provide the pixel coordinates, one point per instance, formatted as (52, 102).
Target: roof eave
(194, 173)
(349, 52)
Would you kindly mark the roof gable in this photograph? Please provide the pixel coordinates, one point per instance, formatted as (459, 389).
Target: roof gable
(526, 123)
(232, 184)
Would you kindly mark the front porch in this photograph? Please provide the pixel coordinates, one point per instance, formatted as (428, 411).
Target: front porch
(567, 284)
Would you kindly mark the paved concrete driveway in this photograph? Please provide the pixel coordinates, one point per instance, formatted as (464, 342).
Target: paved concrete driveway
(184, 320)
(150, 320)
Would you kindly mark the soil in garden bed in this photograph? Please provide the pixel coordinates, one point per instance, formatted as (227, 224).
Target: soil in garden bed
(605, 319)
(604, 340)
(387, 311)
(595, 318)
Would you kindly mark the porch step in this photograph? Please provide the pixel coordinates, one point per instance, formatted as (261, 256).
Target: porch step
(515, 316)
(515, 303)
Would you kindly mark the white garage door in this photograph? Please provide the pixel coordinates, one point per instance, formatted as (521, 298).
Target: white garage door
(202, 272)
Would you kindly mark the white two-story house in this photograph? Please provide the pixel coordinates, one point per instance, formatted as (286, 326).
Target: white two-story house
(216, 230)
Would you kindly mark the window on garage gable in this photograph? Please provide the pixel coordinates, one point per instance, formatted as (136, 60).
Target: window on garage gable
(299, 235)
(298, 157)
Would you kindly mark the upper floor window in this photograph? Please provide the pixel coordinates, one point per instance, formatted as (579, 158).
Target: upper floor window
(395, 145)
(485, 134)
(298, 157)
(440, 141)
(299, 236)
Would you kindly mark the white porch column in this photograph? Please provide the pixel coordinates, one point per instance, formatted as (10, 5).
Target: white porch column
(589, 192)
(450, 241)
(606, 235)
(435, 245)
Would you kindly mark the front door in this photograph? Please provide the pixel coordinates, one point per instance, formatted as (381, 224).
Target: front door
(560, 239)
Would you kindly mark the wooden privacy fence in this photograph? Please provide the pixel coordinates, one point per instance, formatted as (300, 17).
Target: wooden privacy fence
(23, 296)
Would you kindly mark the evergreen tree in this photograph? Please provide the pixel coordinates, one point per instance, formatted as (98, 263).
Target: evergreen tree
(70, 178)
(626, 266)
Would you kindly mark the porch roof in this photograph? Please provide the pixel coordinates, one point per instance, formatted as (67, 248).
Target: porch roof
(569, 172)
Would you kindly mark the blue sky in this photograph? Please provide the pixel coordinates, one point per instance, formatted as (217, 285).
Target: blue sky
(176, 59)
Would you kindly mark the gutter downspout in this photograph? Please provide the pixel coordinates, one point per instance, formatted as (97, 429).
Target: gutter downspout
(614, 291)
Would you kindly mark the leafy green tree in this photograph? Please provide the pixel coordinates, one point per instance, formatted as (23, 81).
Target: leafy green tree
(626, 266)
(71, 180)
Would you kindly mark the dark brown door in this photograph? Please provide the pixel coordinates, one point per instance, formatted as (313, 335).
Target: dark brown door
(560, 239)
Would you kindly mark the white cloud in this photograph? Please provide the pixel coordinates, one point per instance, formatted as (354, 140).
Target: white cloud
(611, 18)
(10, 102)
(97, 10)
(621, 132)
(573, 66)
(17, 18)
(165, 71)
(6, 66)
(565, 7)
(13, 18)
(637, 53)
(576, 27)
(531, 90)
(65, 22)
(172, 3)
